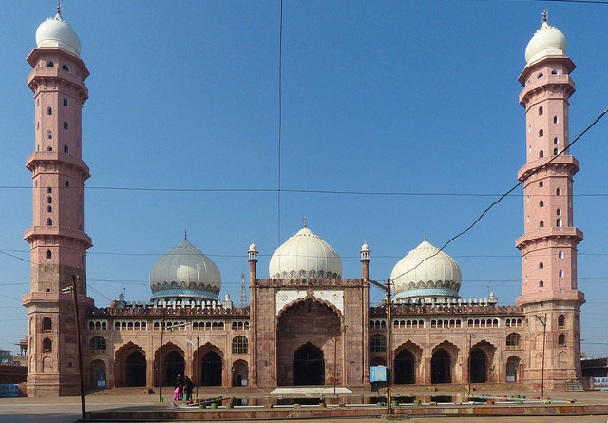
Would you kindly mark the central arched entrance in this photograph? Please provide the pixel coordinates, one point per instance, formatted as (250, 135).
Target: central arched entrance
(441, 367)
(479, 368)
(405, 368)
(308, 366)
(306, 353)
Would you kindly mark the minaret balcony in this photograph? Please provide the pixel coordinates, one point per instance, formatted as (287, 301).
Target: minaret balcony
(38, 75)
(564, 160)
(39, 157)
(57, 231)
(544, 233)
(547, 81)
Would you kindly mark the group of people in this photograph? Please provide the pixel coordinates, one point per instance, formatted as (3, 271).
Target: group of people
(183, 388)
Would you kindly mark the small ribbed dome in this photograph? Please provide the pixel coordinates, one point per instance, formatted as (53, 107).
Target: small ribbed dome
(426, 272)
(547, 41)
(185, 272)
(55, 32)
(305, 256)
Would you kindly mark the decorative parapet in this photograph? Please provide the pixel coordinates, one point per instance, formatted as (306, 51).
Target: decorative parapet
(305, 283)
(148, 310)
(463, 311)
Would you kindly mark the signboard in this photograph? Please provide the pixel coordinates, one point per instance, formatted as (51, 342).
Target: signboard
(377, 374)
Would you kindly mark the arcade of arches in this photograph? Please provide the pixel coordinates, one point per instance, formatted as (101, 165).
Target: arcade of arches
(132, 369)
(446, 365)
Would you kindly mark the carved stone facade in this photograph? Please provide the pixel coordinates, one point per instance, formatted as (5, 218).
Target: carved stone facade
(312, 331)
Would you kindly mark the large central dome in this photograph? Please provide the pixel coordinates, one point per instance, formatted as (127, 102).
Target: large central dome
(305, 256)
(185, 272)
(426, 272)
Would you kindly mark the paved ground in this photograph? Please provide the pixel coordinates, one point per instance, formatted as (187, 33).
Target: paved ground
(68, 409)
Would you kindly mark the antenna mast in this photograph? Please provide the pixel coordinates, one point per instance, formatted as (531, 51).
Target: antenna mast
(243, 297)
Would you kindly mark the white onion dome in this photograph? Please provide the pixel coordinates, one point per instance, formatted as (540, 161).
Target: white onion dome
(426, 272)
(252, 248)
(56, 33)
(305, 256)
(365, 248)
(547, 41)
(185, 272)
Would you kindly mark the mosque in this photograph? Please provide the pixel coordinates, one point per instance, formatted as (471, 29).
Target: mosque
(308, 325)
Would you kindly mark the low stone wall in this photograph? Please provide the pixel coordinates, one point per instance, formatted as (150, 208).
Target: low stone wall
(268, 412)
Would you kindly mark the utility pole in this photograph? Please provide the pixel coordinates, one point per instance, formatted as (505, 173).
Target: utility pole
(72, 289)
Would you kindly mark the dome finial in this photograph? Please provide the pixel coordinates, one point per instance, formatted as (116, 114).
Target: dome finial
(58, 16)
(305, 221)
(425, 236)
(544, 15)
(185, 235)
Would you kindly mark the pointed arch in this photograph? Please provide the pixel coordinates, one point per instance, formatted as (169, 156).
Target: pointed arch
(240, 373)
(170, 364)
(443, 361)
(209, 361)
(406, 363)
(130, 366)
(293, 330)
(297, 301)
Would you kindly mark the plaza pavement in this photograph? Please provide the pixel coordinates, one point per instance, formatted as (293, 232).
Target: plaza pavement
(68, 409)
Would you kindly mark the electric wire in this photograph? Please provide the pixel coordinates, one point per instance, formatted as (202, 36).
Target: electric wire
(503, 196)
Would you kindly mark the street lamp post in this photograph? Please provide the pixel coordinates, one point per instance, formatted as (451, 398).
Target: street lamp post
(198, 347)
(542, 365)
(389, 353)
(72, 289)
(469, 368)
(389, 347)
(160, 361)
(335, 357)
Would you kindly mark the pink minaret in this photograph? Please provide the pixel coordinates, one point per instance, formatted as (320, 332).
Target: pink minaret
(550, 296)
(57, 239)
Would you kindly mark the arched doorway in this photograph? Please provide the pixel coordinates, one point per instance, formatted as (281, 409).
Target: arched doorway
(308, 366)
(173, 367)
(512, 371)
(441, 367)
(405, 368)
(240, 372)
(97, 372)
(478, 372)
(211, 369)
(135, 369)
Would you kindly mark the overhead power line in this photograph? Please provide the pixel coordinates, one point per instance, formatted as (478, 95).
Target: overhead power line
(507, 193)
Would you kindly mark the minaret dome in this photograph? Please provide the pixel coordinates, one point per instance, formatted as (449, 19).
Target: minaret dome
(56, 33)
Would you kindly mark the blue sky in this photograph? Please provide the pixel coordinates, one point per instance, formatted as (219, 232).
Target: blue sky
(417, 97)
